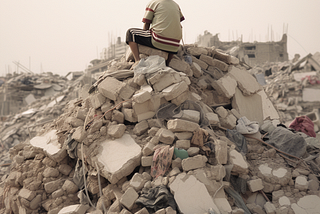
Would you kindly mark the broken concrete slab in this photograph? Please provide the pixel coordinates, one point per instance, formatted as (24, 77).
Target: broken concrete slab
(119, 157)
(178, 125)
(49, 143)
(250, 106)
(110, 88)
(246, 82)
(191, 195)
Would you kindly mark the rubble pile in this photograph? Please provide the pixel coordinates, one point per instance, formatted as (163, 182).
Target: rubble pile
(39, 99)
(294, 87)
(199, 136)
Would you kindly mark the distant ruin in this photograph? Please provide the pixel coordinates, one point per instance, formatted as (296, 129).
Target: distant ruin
(252, 53)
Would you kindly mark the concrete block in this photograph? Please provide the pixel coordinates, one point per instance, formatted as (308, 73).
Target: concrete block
(197, 51)
(65, 169)
(190, 115)
(229, 122)
(225, 86)
(193, 151)
(141, 96)
(128, 198)
(126, 91)
(213, 118)
(148, 149)
(191, 195)
(301, 183)
(270, 208)
(152, 51)
(69, 187)
(165, 136)
(176, 163)
(117, 116)
(181, 98)
(119, 157)
(314, 116)
(79, 134)
(142, 211)
(222, 112)
(27, 194)
(146, 115)
(50, 172)
(77, 208)
(153, 131)
(214, 62)
(116, 131)
(178, 125)
(110, 88)
(215, 72)
(201, 63)
(130, 115)
(310, 95)
(255, 185)
(174, 90)
(162, 80)
(240, 165)
(195, 162)
(137, 181)
(196, 70)
(141, 127)
(183, 135)
(146, 161)
(221, 151)
(218, 172)
(97, 100)
(183, 144)
(246, 82)
(179, 65)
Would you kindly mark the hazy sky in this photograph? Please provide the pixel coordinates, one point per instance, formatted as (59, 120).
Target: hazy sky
(65, 35)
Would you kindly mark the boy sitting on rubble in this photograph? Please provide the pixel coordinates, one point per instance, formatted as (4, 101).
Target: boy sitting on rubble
(161, 30)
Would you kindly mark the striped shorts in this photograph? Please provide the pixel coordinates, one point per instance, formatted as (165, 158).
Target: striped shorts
(142, 37)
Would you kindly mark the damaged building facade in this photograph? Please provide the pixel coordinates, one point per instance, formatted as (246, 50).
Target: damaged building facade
(251, 53)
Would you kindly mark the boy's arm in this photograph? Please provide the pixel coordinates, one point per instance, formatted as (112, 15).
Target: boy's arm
(146, 26)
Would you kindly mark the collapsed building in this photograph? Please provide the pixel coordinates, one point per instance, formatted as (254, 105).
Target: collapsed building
(252, 53)
(199, 136)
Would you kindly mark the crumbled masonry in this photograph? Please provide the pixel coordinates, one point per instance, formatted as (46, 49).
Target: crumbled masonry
(147, 138)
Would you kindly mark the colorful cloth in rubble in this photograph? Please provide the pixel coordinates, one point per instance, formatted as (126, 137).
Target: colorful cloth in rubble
(303, 124)
(161, 160)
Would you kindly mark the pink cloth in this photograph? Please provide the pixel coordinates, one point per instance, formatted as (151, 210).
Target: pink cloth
(161, 160)
(303, 124)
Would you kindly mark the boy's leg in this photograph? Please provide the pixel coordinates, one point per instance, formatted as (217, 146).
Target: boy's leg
(170, 56)
(135, 50)
(137, 36)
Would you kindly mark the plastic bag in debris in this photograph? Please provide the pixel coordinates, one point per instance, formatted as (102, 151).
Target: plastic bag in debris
(157, 198)
(238, 200)
(78, 174)
(72, 147)
(150, 65)
(303, 124)
(167, 111)
(245, 126)
(287, 141)
(238, 139)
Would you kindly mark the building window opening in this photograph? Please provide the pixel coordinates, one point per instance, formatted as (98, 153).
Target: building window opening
(251, 55)
(250, 47)
(281, 55)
